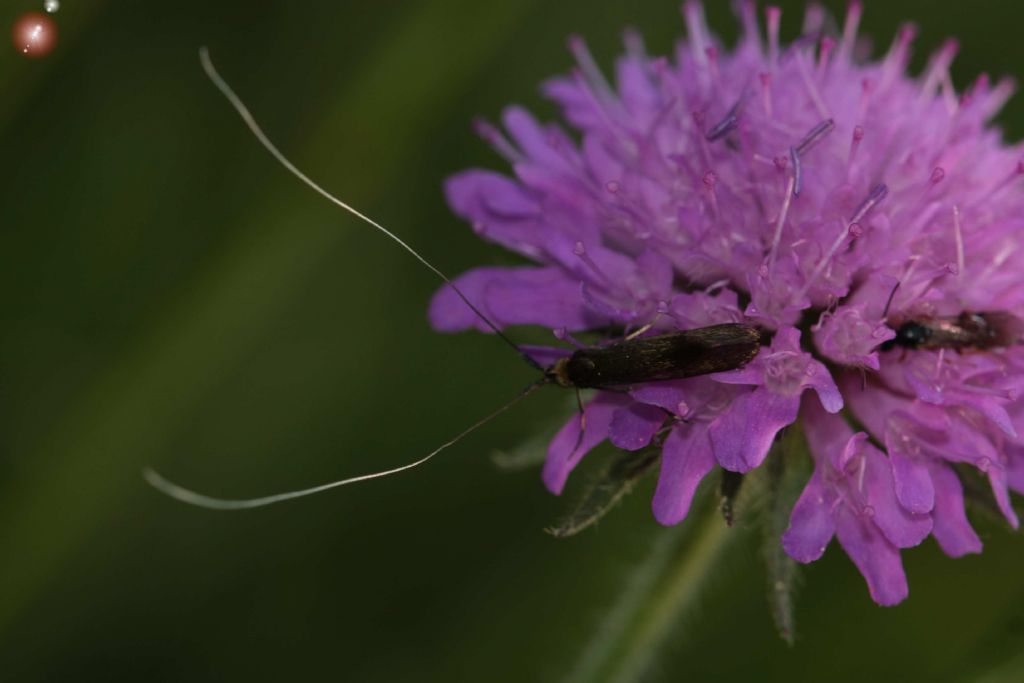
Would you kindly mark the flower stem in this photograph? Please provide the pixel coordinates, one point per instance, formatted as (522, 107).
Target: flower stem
(624, 649)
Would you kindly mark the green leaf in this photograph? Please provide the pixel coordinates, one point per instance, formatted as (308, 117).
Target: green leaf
(786, 473)
(609, 487)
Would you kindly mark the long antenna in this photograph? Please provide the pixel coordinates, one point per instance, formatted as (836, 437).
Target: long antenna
(247, 117)
(204, 501)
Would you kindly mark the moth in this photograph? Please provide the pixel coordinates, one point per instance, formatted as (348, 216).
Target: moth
(614, 366)
(965, 332)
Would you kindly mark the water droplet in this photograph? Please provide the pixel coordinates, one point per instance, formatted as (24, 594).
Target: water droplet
(612, 187)
(34, 34)
(868, 511)
(683, 409)
(52, 6)
(579, 249)
(984, 464)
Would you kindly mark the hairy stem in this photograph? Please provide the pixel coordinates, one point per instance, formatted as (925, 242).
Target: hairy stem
(664, 590)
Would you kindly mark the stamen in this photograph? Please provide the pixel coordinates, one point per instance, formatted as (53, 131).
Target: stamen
(1015, 174)
(812, 89)
(780, 222)
(958, 240)
(494, 137)
(693, 15)
(601, 107)
(730, 123)
(580, 250)
(702, 140)
(712, 55)
(949, 97)
(997, 98)
(563, 334)
(591, 72)
(895, 61)
(877, 194)
(634, 42)
(858, 135)
(939, 66)
(773, 17)
(815, 136)
(849, 39)
(766, 92)
(814, 18)
(709, 180)
(827, 45)
(798, 173)
(866, 90)
(722, 128)
(853, 230)
(748, 17)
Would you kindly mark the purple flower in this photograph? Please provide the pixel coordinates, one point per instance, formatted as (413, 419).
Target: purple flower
(851, 496)
(793, 188)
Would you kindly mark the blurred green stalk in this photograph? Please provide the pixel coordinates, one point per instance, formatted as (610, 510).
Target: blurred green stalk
(663, 593)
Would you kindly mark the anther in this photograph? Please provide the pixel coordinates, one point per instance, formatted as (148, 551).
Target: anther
(877, 194)
(794, 156)
(815, 135)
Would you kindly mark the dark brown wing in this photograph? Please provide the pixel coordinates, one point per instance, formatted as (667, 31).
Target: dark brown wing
(677, 355)
(980, 331)
(1005, 328)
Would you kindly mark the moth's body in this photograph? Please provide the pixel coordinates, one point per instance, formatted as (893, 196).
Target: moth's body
(964, 332)
(675, 355)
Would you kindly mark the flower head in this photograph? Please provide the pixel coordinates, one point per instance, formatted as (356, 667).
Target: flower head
(810, 191)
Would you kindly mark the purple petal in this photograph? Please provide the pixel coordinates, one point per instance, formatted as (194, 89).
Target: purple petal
(667, 395)
(903, 529)
(742, 436)
(563, 453)
(752, 373)
(685, 459)
(811, 524)
(499, 209)
(657, 271)
(952, 530)
(825, 386)
(913, 482)
(877, 559)
(545, 356)
(829, 437)
(787, 339)
(512, 296)
(993, 409)
(476, 194)
(1000, 489)
(1015, 470)
(634, 426)
(533, 139)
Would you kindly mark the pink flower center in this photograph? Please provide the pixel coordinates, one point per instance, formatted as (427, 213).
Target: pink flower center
(786, 372)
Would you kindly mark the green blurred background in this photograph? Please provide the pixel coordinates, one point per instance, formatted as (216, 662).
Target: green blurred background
(170, 297)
